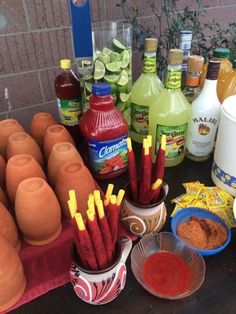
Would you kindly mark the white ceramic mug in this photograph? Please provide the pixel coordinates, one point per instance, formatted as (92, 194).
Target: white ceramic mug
(224, 165)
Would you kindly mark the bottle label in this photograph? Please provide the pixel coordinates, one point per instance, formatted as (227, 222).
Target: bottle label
(201, 135)
(149, 64)
(173, 79)
(175, 139)
(69, 111)
(108, 156)
(140, 120)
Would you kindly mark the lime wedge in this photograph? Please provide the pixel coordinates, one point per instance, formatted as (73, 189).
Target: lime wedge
(88, 87)
(113, 78)
(99, 70)
(124, 97)
(125, 59)
(86, 63)
(115, 56)
(124, 78)
(114, 66)
(106, 51)
(118, 46)
(103, 58)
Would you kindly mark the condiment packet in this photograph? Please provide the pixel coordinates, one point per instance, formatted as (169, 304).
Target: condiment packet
(192, 188)
(176, 209)
(215, 200)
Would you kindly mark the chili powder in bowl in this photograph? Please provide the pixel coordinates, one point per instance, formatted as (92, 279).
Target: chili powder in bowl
(166, 267)
(201, 229)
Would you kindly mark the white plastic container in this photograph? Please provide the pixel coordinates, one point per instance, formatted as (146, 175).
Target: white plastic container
(224, 165)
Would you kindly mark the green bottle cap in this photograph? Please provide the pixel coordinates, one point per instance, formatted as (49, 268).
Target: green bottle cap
(221, 53)
(234, 64)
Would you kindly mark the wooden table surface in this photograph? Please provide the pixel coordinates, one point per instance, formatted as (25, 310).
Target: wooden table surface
(216, 295)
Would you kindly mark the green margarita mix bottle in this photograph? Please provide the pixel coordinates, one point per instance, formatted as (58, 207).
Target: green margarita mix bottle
(144, 91)
(169, 113)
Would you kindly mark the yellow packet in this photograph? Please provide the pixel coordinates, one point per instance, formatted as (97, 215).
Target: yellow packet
(179, 199)
(176, 209)
(199, 203)
(192, 188)
(215, 200)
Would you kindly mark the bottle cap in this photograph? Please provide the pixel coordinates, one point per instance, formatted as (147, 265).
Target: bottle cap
(186, 35)
(150, 44)
(234, 64)
(65, 64)
(221, 53)
(175, 56)
(195, 64)
(101, 89)
(213, 70)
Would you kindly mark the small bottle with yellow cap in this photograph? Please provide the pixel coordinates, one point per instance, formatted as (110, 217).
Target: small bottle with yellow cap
(170, 112)
(68, 92)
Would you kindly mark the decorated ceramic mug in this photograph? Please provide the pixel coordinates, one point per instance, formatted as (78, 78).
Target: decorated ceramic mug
(101, 287)
(144, 219)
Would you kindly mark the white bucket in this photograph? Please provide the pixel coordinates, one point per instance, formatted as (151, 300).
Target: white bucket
(224, 165)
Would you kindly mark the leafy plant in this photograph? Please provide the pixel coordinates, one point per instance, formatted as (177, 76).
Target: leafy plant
(170, 20)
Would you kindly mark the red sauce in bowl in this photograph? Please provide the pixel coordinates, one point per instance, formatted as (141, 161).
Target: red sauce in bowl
(166, 273)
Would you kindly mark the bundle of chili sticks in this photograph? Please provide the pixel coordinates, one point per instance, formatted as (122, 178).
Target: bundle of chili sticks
(146, 189)
(97, 235)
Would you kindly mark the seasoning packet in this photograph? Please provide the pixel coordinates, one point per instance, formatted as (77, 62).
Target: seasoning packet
(208, 197)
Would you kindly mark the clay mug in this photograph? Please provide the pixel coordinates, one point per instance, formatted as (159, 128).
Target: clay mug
(8, 229)
(60, 153)
(12, 279)
(20, 167)
(101, 287)
(2, 172)
(7, 127)
(38, 211)
(3, 198)
(55, 134)
(74, 175)
(144, 219)
(23, 143)
(39, 124)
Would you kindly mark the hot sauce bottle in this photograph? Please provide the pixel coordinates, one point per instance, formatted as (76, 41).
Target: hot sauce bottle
(68, 92)
(105, 132)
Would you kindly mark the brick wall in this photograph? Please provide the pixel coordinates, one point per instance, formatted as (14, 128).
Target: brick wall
(35, 35)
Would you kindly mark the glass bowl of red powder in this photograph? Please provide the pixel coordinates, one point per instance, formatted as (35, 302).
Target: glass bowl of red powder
(166, 267)
(201, 230)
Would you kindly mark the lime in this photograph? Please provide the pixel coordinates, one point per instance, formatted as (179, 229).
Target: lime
(118, 46)
(87, 77)
(125, 58)
(103, 58)
(106, 51)
(114, 66)
(124, 78)
(99, 70)
(86, 63)
(88, 87)
(124, 97)
(115, 56)
(113, 78)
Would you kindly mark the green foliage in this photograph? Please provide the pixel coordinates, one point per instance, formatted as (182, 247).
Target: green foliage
(170, 20)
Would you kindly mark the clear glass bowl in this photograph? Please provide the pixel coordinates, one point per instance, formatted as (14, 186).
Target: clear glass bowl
(166, 241)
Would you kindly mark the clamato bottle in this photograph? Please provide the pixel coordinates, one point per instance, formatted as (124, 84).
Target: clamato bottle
(105, 131)
(205, 114)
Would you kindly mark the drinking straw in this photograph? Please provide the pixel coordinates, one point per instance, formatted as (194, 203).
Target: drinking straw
(160, 160)
(105, 231)
(109, 191)
(113, 218)
(156, 188)
(144, 193)
(132, 171)
(86, 246)
(96, 238)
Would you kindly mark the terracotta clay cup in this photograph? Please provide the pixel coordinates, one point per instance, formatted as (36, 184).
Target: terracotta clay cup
(74, 175)
(144, 219)
(23, 143)
(20, 167)
(55, 134)
(7, 127)
(12, 279)
(8, 229)
(3, 198)
(60, 153)
(38, 211)
(39, 124)
(2, 172)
